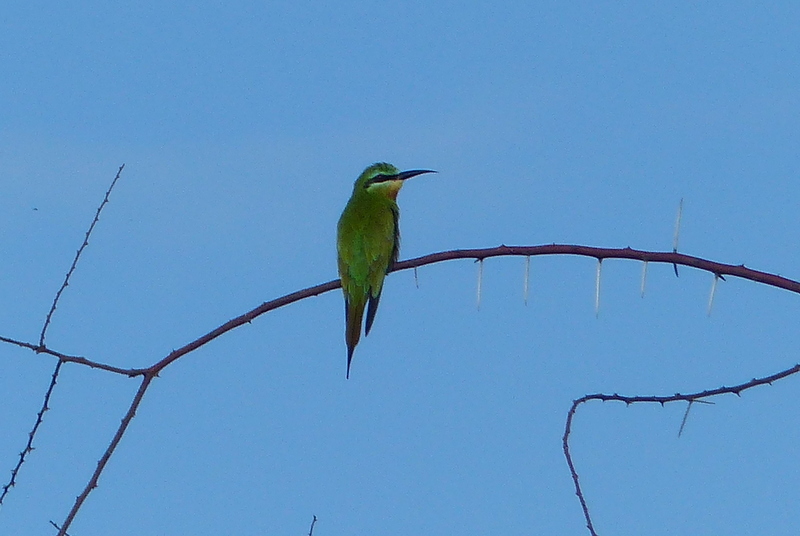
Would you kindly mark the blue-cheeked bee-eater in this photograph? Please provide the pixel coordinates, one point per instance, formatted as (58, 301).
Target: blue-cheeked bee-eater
(368, 243)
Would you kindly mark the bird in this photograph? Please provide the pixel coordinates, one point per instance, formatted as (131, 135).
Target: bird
(368, 245)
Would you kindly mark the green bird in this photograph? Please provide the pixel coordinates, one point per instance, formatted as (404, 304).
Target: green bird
(368, 243)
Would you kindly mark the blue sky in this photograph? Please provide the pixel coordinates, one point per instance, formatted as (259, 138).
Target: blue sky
(242, 127)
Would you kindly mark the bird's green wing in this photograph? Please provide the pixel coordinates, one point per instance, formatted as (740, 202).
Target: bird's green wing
(383, 263)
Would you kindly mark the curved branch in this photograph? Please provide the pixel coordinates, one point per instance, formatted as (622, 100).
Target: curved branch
(716, 268)
(246, 318)
(665, 257)
(628, 400)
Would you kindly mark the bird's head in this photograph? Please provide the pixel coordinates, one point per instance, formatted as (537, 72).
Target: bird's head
(383, 178)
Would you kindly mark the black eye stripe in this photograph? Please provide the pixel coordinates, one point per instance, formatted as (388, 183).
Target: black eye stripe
(379, 178)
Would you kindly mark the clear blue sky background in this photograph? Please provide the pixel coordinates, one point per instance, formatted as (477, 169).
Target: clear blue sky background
(243, 125)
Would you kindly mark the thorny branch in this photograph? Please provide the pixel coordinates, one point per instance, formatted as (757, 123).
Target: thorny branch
(719, 270)
(690, 398)
(715, 268)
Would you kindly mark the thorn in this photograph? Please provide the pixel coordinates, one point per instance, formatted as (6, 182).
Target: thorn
(713, 292)
(527, 279)
(597, 289)
(480, 281)
(685, 416)
(644, 276)
(677, 234)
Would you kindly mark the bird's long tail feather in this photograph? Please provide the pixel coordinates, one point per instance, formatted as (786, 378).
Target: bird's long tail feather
(354, 312)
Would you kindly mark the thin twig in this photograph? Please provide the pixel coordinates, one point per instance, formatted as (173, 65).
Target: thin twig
(57, 527)
(101, 464)
(74, 359)
(32, 434)
(572, 470)
(311, 530)
(628, 400)
(85, 243)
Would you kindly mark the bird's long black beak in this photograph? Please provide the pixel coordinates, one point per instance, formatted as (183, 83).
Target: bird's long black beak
(403, 175)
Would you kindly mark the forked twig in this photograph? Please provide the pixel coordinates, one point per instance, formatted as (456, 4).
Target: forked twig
(40, 348)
